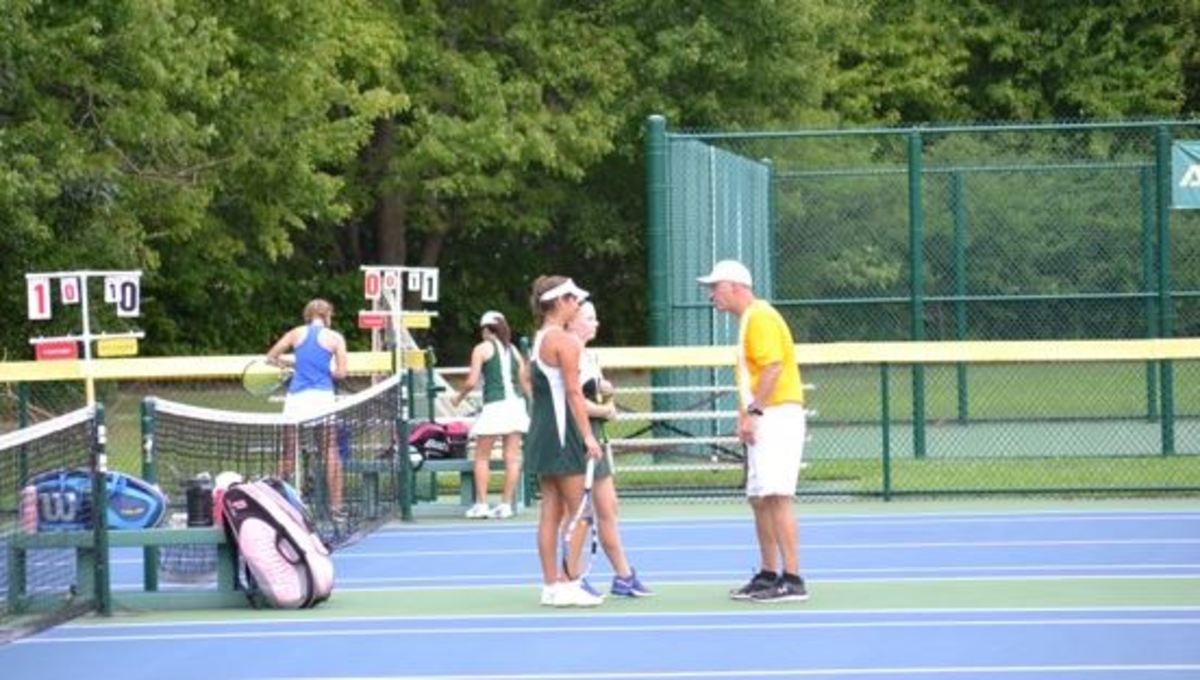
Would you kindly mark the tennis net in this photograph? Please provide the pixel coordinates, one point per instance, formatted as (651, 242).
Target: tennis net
(45, 479)
(342, 461)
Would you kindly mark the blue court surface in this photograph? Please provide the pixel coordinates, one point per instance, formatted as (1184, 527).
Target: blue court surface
(1077, 591)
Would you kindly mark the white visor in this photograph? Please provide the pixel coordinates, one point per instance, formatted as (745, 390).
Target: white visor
(567, 287)
(490, 318)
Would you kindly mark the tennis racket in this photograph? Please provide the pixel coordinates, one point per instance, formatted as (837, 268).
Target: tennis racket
(262, 379)
(577, 554)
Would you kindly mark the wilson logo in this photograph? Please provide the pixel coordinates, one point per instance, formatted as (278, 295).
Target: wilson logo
(58, 506)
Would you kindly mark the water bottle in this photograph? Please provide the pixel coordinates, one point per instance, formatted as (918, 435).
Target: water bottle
(29, 509)
(200, 501)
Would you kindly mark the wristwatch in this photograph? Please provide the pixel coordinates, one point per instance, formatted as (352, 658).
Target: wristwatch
(754, 409)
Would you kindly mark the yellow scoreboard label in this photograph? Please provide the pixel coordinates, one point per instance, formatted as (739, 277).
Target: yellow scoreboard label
(117, 347)
(416, 320)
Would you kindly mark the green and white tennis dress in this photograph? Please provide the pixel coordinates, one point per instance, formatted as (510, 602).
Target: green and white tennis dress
(554, 445)
(503, 406)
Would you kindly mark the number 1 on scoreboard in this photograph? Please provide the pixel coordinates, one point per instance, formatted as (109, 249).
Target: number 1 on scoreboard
(37, 289)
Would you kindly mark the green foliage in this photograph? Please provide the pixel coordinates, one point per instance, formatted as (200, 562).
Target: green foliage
(186, 141)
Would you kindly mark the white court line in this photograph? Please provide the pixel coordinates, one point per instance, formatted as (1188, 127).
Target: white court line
(804, 521)
(536, 579)
(559, 627)
(814, 574)
(594, 614)
(1043, 670)
(824, 576)
(717, 547)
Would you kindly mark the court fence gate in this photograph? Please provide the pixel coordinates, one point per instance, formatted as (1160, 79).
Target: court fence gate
(1065, 231)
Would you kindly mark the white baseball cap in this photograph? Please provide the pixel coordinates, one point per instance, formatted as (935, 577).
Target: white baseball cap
(490, 317)
(728, 270)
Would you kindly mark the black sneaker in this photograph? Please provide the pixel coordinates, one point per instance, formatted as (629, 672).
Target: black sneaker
(786, 589)
(763, 580)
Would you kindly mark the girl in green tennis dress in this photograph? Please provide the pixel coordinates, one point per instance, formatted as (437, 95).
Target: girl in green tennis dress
(560, 438)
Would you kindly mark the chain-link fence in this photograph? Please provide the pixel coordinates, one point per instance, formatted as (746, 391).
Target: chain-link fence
(1030, 419)
(987, 232)
(1016, 232)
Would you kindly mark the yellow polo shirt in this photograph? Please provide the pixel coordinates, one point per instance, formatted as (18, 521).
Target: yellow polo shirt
(764, 339)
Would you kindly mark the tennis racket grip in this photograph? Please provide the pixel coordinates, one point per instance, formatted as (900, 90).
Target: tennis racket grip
(589, 475)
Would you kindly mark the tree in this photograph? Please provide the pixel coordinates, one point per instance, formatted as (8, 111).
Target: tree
(186, 141)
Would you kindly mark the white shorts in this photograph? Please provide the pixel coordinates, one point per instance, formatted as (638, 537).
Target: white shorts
(773, 461)
(308, 403)
(507, 416)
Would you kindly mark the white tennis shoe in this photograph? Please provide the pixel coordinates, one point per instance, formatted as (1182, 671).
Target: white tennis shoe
(548, 594)
(502, 511)
(478, 511)
(572, 594)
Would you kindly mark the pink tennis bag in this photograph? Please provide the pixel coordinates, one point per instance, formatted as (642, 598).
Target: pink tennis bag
(286, 565)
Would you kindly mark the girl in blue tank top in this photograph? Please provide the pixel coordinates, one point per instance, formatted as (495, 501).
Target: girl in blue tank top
(318, 358)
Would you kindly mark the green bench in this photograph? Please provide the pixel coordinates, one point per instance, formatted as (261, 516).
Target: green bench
(150, 597)
(371, 470)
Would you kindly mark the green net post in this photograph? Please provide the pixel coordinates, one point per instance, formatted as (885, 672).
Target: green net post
(404, 488)
(103, 581)
(1166, 309)
(886, 430)
(916, 237)
(1146, 183)
(150, 474)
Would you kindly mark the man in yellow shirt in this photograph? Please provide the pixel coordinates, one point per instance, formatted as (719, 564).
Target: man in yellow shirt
(771, 424)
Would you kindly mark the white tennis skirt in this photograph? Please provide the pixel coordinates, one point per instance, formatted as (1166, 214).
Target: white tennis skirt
(308, 403)
(507, 416)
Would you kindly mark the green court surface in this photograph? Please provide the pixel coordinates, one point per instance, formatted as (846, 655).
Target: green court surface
(897, 591)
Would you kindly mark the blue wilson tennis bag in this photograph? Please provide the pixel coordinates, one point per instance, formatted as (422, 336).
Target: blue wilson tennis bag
(64, 501)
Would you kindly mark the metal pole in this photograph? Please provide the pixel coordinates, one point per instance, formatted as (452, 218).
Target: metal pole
(405, 487)
(1146, 184)
(1166, 309)
(958, 208)
(150, 474)
(885, 427)
(657, 265)
(916, 225)
(88, 382)
(103, 582)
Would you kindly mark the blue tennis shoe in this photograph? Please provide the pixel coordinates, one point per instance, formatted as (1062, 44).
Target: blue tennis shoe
(630, 586)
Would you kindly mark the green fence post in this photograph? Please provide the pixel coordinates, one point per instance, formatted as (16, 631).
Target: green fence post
(916, 228)
(1166, 309)
(150, 474)
(1146, 184)
(885, 427)
(958, 208)
(103, 582)
(657, 246)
